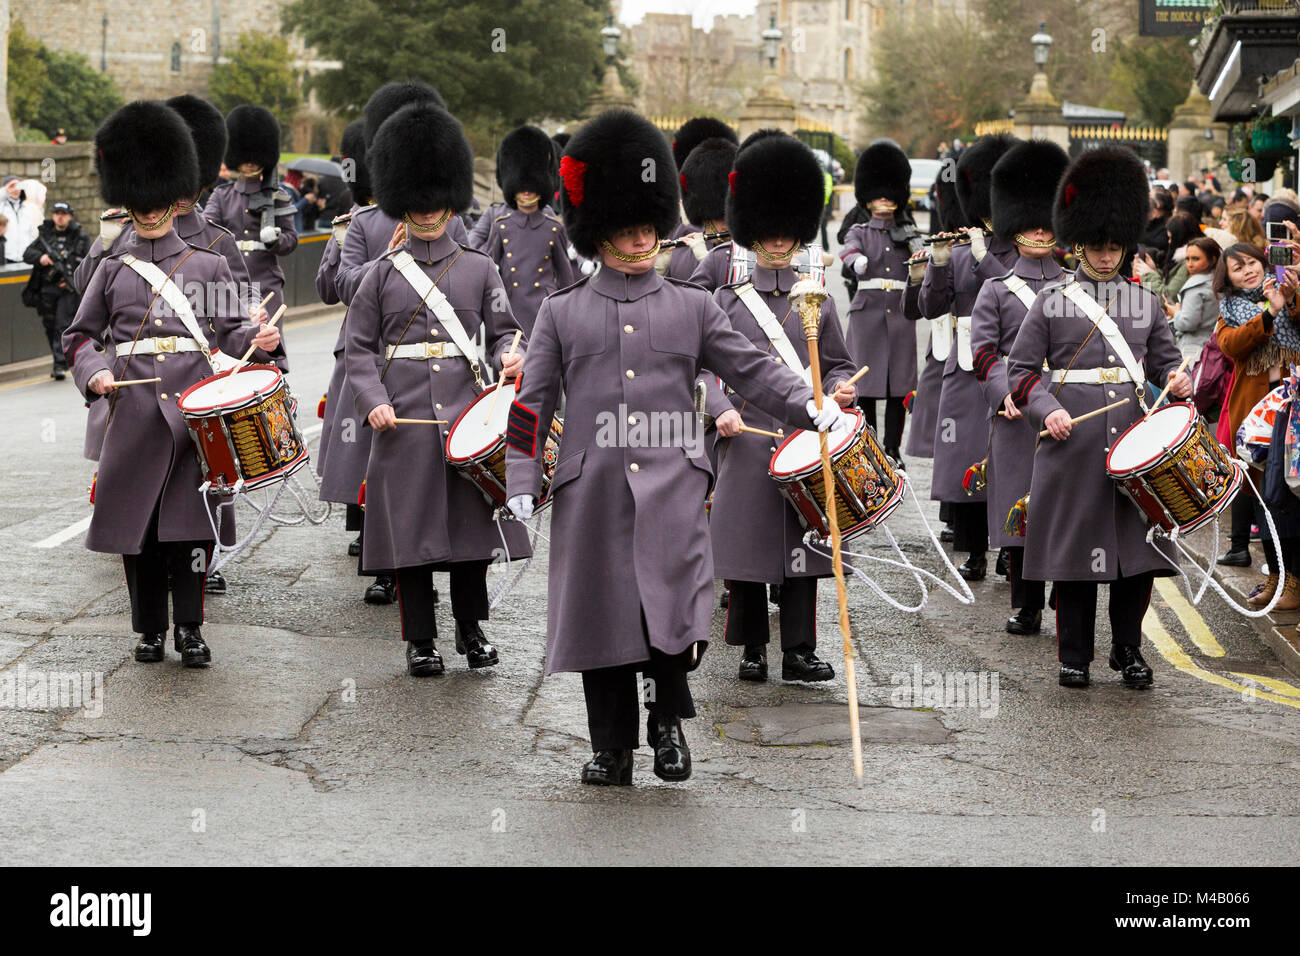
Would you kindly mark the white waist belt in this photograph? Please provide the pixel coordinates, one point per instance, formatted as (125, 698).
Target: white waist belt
(157, 346)
(1091, 376)
(423, 351)
(250, 245)
(887, 285)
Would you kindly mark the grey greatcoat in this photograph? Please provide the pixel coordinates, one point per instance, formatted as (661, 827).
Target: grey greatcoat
(148, 461)
(994, 323)
(757, 535)
(961, 429)
(325, 274)
(682, 263)
(924, 409)
(529, 249)
(711, 272)
(419, 510)
(368, 235)
(628, 529)
(880, 335)
(1081, 527)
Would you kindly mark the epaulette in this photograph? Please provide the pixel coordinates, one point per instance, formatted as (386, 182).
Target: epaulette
(569, 288)
(688, 284)
(363, 210)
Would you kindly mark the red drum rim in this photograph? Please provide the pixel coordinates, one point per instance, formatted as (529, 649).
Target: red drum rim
(1179, 440)
(257, 395)
(850, 435)
(492, 445)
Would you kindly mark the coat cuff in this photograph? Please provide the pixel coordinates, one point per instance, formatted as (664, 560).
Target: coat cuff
(368, 399)
(88, 362)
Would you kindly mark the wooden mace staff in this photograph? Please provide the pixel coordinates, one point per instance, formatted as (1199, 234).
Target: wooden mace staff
(808, 295)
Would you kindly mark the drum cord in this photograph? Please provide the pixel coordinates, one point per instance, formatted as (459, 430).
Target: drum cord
(505, 587)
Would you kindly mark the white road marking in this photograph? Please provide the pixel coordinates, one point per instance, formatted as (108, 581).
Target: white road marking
(71, 531)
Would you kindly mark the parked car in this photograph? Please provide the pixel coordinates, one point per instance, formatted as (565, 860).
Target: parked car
(924, 173)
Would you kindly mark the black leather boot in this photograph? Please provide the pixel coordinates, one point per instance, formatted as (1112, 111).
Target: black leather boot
(1073, 675)
(215, 583)
(152, 647)
(672, 756)
(806, 666)
(423, 659)
(194, 650)
(383, 591)
(471, 642)
(1133, 670)
(1025, 621)
(354, 549)
(609, 768)
(753, 663)
(1003, 565)
(975, 568)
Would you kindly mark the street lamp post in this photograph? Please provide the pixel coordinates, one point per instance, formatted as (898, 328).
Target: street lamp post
(1042, 43)
(611, 94)
(1039, 94)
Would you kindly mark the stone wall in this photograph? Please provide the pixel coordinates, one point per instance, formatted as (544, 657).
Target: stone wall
(67, 172)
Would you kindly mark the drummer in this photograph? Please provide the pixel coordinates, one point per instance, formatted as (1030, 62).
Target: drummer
(628, 342)
(147, 508)
(1081, 530)
(409, 357)
(1022, 186)
(773, 207)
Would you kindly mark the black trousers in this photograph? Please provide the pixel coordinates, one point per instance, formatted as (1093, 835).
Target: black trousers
(747, 618)
(612, 695)
(362, 570)
(1244, 508)
(970, 526)
(894, 415)
(56, 313)
(182, 563)
(469, 597)
(354, 518)
(1076, 615)
(1024, 594)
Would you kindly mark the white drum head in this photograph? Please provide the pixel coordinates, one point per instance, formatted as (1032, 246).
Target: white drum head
(227, 392)
(1145, 442)
(802, 450)
(471, 435)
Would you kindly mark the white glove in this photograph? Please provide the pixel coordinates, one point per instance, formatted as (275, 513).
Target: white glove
(269, 234)
(977, 247)
(340, 233)
(587, 267)
(860, 265)
(941, 253)
(826, 419)
(916, 271)
(109, 230)
(521, 506)
(699, 248)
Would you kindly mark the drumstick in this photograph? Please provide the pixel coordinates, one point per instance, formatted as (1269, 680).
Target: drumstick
(496, 392)
(249, 354)
(858, 374)
(262, 305)
(809, 295)
(760, 431)
(1083, 418)
(136, 381)
(420, 421)
(1168, 386)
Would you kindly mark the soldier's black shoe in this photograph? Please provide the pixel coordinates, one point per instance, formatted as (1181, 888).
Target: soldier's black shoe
(946, 534)
(383, 591)
(471, 642)
(805, 665)
(897, 455)
(725, 600)
(60, 373)
(194, 650)
(1003, 565)
(152, 647)
(1025, 621)
(1236, 559)
(423, 660)
(975, 568)
(1133, 670)
(215, 583)
(1072, 676)
(774, 593)
(753, 664)
(672, 756)
(354, 549)
(609, 768)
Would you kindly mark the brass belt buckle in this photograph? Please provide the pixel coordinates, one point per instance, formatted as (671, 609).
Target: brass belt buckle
(1110, 375)
(433, 350)
(165, 344)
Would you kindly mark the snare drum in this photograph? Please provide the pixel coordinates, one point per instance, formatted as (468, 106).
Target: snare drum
(1171, 467)
(476, 447)
(867, 487)
(244, 431)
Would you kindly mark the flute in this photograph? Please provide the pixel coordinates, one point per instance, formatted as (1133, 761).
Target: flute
(708, 237)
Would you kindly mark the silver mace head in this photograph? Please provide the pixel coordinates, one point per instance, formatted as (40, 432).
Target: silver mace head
(807, 295)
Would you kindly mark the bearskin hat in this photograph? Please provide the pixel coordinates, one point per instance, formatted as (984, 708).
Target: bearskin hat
(145, 157)
(1104, 196)
(391, 97)
(444, 176)
(352, 150)
(776, 190)
(526, 162)
(253, 136)
(695, 131)
(704, 180)
(208, 127)
(975, 173)
(617, 172)
(883, 173)
(949, 217)
(1023, 185)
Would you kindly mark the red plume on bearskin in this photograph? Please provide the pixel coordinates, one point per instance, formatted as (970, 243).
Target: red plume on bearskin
(572, 172)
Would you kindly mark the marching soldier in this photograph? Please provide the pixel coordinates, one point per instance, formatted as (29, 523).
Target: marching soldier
(412, 331)
(1100, 335)
(952, 280)
(624, 344)
(704, 197)
(147, 505)
(774, 207)
(880, 335)
(690, 135)
(1023, 183)
(527, 242)
(253, 207)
